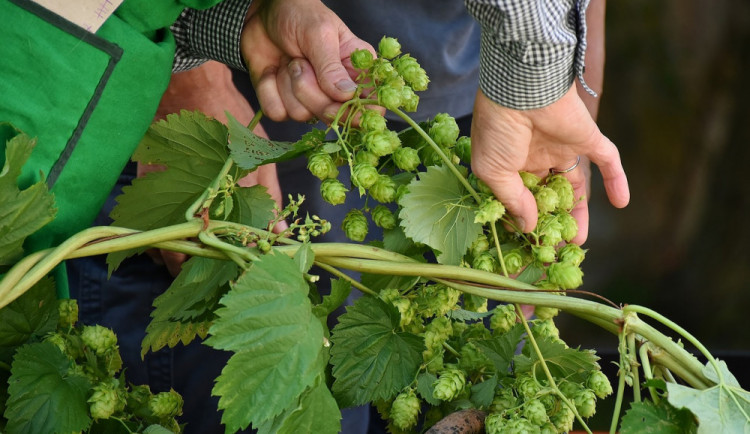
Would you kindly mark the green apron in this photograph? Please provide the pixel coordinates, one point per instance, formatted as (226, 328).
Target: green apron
(88, 98)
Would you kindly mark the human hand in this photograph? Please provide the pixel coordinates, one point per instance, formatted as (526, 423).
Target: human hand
(506, 141)
(297, 52)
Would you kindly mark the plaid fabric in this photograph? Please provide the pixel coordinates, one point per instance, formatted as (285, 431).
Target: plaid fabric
(213, 34)
(530, 51)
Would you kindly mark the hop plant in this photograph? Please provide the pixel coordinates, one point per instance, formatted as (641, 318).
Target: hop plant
(571, 253)
(406, 159)
(333, 191)
(364, 175)
(409, 99)
(527, 386)
(389, 97)
(564, 191)
(363, 156)
(68, 313)
(480, 245)
(383, 217)
(106, 399)
(444, 130)
(545, 329)
(474, 360)
(321, 165)
(383, 189)
(166, 405)
(569, 226)
(503, 318)
(371, 120)
(495, 423)
(585, 402)
(530, 180)
(361, 59)
(546, 200)
(504, 399)
(544, 254)
(513, 261)
(544, 312)
(565, 275)
(463, 149)
(490, 211)
(534, 411)
(485, 262)
(381, 143)
(449, 384)
(563, 419)
(599, 384)
(404, 411)
(389, 48)
(355, 225)
(99, 339)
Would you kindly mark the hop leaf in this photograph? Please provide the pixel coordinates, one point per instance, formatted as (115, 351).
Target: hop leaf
(333, 191)
(355, 225)
(449, 384)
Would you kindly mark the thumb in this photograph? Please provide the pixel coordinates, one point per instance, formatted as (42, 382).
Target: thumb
(329, 56)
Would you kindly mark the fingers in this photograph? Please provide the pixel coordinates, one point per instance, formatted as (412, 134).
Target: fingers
(607, 158)
(326, 54)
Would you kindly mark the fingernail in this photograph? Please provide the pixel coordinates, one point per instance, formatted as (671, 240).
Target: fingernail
(346, 85)
(294, 69)
(521, 224)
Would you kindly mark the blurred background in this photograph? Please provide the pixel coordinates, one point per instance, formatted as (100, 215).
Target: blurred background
(675, 102)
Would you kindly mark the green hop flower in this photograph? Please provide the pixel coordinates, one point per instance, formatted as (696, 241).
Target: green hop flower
(545, 329)
(463, 149)
(406, 309)
(444, 130)
(372, 120)
(503, 318)
(572, 253)
(405, 410)
(563, 419)
(321, 166)
(409, 99)
(569, 389)
(333, 191)
(513, 261)
(549, 229)
(401, 191)
(548, 428)
(355, 225)
(364, 175)
(383, 217)
(384, 189)
(361, 59)
(521, 425)
(379, 142)
(504, 399)
(382, 71)
(406, 159)
(473, 360)
(368, 157)
(449, 384)
(544, 312)
(534, 411)
(106, 399)
(544, 254)
(166, 405)
(585, 402)
(389, 294)
(527, 386)
(446, 298)
(599, 384)
(437, 332)
(564, 191)
(57, 340)
(264, 246)
(99, 339)
(569, 226)
(495, 423)
(389, 97)
(546, 200)
(530, 180)
(389, 47)
(490, 211)
(480, 245)
(475, 303)
(68, 313)
(485, 262)
(565, 275)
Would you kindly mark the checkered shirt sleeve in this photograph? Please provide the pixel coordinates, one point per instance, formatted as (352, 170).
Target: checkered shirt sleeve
(530, 50)
(210, 34)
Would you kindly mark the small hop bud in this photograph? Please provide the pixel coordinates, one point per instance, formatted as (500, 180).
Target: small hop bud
(264, 246)
(495, 423)
(371, 120)
(585, 402)
(503, 318)
(546, 200)
(463, 149)
(99, 339)
(527, 386)
(545, 329)
(504, 400)
(58, 340)
(361, 59)
(381, 143)
(406, 159)
(564, 190)
(368, 157)
(364, 175)
(389, 97)
(543, 254)
(389, 47)
(534, 411)
(474, 360)
(480, 245)
(563, 419)
(549, 229)
(321, 166)
(530, 180)
(68, 313)
(599, 384)
(513, 261)
(569, 226)
(382, 71)
(333, 191)
(449, 384)
(544, 312)
(384, 189)
(548, 428)
(518, 424)
(405, 410)
(106, 399)
(485, 262)
(165, 405)
(565, 275)
(401, 191)
(409, 99)
(572, 253)
(444, 130)
(383, 217)
(490, 211)
(355, 225)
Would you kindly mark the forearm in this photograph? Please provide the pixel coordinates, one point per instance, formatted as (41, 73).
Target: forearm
(595, 55)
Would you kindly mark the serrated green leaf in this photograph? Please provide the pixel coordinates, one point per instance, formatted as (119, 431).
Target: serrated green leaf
(249, 150)
(531, 273)
(483, 393)
(563, 362)
(502, 348)
(253, 206)
(372, 359)
(426, 387)
(22, 212)
(304, 258)
(394, 240)
(439, 212)
(29, 317)
(44, 395)
(340, 290)
(649, 418)
(266, 319)
(721, 408)
(182, 311)
(316, 411)
(156, 429)
(467, 315)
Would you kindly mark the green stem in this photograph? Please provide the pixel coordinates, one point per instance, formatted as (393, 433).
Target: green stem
(634, 367)
(500, 256)
(618, 403)
(342, 275)
(647, 372)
